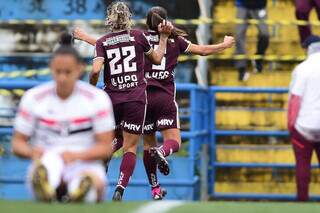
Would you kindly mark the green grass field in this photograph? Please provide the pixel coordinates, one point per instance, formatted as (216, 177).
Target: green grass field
(136, 207)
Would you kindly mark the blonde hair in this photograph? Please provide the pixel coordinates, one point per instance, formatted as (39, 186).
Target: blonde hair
(118, 16)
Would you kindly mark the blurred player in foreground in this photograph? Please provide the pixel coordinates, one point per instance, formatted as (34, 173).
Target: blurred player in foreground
(122, 52)
(162, 109)
(304, 115)
(70, 125)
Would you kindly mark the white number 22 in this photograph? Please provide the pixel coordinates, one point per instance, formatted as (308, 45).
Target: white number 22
(115, 55)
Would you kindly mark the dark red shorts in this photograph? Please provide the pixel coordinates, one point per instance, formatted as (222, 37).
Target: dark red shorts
(130, 117)
(162, 111)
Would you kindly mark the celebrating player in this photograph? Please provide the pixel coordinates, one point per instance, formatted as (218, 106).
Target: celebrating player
(162, 109)
(70, 125)
(122, 52)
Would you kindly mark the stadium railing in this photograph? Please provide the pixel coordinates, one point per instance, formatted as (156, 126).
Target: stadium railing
(214, 132)
(182, 183)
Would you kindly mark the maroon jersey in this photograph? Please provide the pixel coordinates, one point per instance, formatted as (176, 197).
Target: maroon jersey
(162, 76)
(123, 54)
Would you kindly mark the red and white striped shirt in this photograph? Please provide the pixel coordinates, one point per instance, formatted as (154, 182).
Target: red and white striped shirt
(64, 125)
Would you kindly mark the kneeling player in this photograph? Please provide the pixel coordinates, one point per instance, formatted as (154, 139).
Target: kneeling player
(70, 125)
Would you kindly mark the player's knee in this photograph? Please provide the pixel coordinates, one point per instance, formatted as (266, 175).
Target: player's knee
(129, 147)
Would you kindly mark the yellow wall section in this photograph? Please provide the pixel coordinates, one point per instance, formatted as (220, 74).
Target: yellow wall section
(284, 40)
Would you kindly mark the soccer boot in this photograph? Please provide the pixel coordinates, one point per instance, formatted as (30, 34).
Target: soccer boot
(118, 193)
(42, 189)
(80, 193)
(163, 164)
(158, 193)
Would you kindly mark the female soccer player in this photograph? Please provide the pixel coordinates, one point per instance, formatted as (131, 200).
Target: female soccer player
(70, 125)
(122, 52)
(162, 109)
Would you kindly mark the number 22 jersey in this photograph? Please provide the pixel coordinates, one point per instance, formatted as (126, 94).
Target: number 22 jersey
(124, 56)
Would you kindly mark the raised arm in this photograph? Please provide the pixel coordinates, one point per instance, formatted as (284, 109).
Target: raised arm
(165, 28)
(80, 34)
(213, 48)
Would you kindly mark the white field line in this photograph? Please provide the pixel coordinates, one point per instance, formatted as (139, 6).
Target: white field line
(158, 207)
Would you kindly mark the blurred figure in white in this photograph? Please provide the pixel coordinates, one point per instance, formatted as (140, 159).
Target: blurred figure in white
(70, 126)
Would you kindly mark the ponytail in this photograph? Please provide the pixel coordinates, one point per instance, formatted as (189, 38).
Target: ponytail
(156, 15)
(66, 47)
(157, 19)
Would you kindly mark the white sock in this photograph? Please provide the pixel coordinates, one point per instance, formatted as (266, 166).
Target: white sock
(54, 165)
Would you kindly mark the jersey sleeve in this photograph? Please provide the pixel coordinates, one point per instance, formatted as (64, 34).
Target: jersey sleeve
(146, 46)
(298, 83)
(99, 50)
(103, 120)
(25, 119)
(184, 44)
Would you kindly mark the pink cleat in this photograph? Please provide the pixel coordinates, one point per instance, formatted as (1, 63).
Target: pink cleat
(158, 193)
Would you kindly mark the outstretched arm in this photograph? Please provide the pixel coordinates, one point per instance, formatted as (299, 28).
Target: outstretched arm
(213, 48)
(80, 34)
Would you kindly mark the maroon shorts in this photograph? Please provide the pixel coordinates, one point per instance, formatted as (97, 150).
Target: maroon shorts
(162, 111)
(130, 117)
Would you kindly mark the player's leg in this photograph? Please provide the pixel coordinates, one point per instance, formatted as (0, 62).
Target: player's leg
(118, 114)
(128, 163)
(317, 149)
(317, 6)
(45, 176)
(263, 36)
(117, 142)
(150, 164)
(171, 144)
(303, 153)
(169, 125)
(85, 182)
(303, 9)
(132, 124)
(242, 13)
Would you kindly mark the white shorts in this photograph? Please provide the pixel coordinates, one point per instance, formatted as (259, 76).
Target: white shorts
(58, 171)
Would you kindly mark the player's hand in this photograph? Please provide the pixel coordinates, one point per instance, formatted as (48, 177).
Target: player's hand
(165, 28)
(228, 41)
(37, 153)
(69, 157)
(79, 34)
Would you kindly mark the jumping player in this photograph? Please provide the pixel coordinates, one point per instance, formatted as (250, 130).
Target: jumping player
(162, 109)
(122, 52)
(70, 125)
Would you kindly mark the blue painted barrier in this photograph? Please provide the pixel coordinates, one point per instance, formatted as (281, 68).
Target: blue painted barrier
(214, 132)
(182, 183)
(201, 112)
